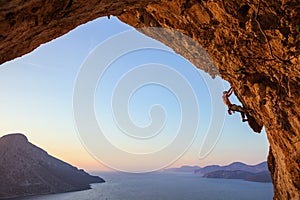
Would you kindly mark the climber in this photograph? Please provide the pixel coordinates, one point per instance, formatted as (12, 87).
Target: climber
(233, 107)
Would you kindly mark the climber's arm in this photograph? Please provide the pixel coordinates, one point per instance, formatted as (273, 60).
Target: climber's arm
(229, 91)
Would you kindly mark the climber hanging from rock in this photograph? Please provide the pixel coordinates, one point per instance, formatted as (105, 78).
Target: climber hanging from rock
(233, 107)
(256, 127)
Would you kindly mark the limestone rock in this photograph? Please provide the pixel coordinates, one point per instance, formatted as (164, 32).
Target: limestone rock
(254, 45)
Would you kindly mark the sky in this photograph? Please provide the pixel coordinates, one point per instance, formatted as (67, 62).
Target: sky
(153, 108)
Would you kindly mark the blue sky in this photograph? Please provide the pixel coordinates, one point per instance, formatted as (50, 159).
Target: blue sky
(37, 100)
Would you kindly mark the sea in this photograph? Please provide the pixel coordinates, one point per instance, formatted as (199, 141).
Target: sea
(166, 186)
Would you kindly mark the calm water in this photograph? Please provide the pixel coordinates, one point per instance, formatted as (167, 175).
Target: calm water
(162, 186)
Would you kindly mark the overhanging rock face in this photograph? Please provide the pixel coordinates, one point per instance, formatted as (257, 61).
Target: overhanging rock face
(24, 25)
(254, 44)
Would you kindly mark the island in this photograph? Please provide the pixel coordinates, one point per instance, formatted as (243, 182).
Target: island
(235, 170)
(239, 174)
(26, 169)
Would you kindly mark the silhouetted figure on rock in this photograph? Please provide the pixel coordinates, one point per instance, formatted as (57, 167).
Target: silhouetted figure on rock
(233, 107)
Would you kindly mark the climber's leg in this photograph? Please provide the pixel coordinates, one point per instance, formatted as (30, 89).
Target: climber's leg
(240, 109)
(237, 108)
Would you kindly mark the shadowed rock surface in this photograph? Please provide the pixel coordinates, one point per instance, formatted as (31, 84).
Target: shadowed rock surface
(253, 43)
(25, 169)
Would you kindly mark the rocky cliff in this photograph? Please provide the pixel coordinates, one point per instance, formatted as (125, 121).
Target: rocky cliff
(28, 170)
(254, 43)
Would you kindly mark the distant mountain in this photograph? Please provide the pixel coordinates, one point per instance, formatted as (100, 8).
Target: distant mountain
(211, 168)
(26, 169)
(263, 176)
(233, 167)
(185, 168)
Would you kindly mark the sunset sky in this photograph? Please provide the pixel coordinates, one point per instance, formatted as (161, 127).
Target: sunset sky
(37, 100)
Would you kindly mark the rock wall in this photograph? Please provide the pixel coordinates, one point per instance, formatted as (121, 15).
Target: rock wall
(254, 43)
(24, 25)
